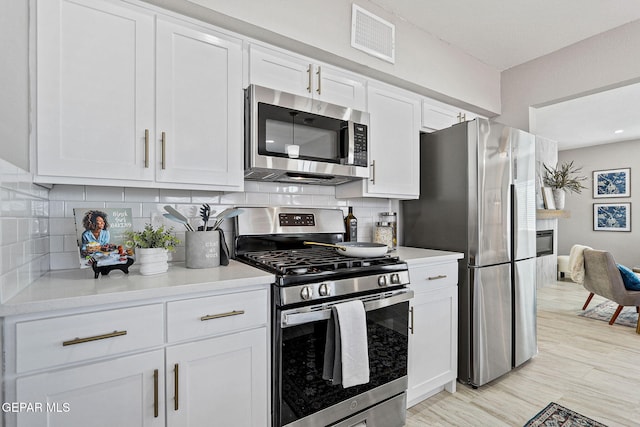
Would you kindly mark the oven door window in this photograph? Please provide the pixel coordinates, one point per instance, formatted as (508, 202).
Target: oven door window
(303, 391)
(283, 132)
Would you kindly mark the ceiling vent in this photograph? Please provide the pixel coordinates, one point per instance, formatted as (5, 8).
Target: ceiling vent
(372, 34)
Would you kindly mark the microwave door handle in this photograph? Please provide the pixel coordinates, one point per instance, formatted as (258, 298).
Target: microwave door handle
(299, 318)
(351, 147)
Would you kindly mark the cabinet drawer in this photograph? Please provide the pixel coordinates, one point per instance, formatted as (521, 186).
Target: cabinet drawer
(429, 277)
(68, 339)
(214, 315)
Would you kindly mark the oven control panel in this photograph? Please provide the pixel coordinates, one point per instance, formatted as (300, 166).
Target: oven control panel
(304, 220)
(344, 287)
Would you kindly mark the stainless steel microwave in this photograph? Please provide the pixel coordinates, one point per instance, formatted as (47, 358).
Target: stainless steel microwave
(295, 139)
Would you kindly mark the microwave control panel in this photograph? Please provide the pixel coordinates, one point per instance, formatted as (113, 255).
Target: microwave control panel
(360, 145)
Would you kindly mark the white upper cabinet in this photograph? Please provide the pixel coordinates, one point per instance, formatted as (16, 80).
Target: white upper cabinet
(199, 106)
(302, 76)
(95, 90)
(394, 137)
(437, 115)
(129, 97)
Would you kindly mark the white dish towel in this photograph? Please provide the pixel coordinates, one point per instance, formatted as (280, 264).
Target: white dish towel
(346, 358)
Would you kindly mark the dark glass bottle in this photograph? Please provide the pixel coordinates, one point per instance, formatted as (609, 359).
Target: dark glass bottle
(351, 227)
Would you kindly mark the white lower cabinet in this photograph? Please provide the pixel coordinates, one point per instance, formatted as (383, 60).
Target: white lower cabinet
(126, 391)
(218, 382)
(433, 334)
(109, 367)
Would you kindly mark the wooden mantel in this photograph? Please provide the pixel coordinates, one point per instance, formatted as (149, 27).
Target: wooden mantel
(552, 214)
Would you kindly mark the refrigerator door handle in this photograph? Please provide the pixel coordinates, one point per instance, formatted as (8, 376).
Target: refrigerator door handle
(514, 220)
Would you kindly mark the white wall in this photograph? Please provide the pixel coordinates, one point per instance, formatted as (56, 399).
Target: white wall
(579, 228)
(601, 62)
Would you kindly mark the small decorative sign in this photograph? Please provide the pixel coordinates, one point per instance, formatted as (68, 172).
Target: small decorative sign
(612, 183)
(612, 216)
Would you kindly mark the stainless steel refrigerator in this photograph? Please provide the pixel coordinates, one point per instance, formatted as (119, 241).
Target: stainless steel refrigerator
(477, 196)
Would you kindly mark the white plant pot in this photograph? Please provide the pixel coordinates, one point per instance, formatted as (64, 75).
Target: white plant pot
(558, 198)
(152, 260)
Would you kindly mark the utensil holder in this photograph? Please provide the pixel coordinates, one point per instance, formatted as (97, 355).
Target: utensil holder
(202, 249)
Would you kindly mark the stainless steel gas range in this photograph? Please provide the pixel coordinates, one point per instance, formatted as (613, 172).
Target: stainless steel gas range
(309, 282)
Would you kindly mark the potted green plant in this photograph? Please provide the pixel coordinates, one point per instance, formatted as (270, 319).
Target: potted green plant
(562, 179)
(152, 247)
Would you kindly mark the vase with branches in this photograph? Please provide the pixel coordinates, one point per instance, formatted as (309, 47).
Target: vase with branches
(564, 178)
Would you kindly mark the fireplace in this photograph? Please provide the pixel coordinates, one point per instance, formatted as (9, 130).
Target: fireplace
(544, 242)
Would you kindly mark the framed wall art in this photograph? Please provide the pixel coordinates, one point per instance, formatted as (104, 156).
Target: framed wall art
(612, 216)
(612, 183)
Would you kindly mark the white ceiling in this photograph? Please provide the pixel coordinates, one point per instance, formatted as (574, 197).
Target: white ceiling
(504, 34)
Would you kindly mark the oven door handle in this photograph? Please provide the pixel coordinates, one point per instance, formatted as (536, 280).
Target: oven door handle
(298, 317)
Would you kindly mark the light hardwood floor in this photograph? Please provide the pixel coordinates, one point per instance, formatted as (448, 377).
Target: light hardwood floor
(583, 364)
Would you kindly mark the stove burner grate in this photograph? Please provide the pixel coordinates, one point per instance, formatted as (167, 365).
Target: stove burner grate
(312, 260)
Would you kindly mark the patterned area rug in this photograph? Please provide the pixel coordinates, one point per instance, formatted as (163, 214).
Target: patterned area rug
(603, 311)
(555, 415)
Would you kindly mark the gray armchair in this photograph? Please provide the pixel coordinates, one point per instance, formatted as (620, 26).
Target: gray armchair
(602, 277)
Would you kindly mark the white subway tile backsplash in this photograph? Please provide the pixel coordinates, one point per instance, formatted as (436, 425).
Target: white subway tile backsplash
(109, 194)
(56, 243)
(175, 196)
(257, 199)
(5, 259)
(24, 240)
(210, 197)
(37, 228)
(58, 226)
(277, 199)
(9, 230)
(233, 199)
(57, 208)
(67, 192)
(301, 200)
(141, 195)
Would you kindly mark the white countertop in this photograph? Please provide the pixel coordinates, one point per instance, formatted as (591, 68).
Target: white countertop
(417, 255)
(65, 289)
(68, 289)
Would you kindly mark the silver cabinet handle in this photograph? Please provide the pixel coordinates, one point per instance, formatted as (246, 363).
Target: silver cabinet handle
(146, 148)
(164, 150)
(218, 316)
(373, 172)
(155, 393)
(309, 72)
(175, 387)
(94, 338)
(411, 320)
(319, 73)
(440, 276)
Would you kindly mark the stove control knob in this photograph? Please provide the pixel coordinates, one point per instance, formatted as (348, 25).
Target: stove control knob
(395, 279)
(382, 281)
(323, 290)
(306, 293)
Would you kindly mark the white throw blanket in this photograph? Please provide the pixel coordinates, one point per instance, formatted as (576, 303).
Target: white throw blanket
(576, 263)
